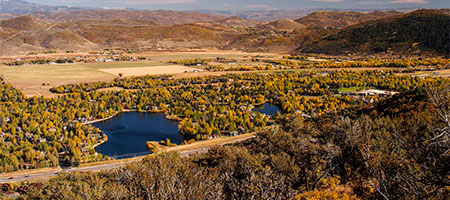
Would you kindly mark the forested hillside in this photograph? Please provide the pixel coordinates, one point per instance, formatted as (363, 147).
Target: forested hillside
(418, 32)
(326, 19)
(395, 149)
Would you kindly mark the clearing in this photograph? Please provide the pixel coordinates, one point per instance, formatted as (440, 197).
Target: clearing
(155, 70)
(31, 79)
(36, 80)
(351, 89)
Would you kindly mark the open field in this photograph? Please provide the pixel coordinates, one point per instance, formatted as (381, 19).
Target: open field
(351, 89)
(114, 65)
(30, 79)
(142, 71)
(167, 56)
(439, 73)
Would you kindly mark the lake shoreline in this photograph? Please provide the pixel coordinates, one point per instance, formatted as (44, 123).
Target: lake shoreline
(169, 117)
(128, 131)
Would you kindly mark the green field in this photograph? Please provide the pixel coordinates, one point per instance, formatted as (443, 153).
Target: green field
(352, 89)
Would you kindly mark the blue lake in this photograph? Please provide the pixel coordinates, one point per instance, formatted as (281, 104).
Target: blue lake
(128, 133)
(267, 109)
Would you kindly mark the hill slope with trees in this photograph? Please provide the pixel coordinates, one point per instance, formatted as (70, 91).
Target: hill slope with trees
(326, 19)
(417, 32)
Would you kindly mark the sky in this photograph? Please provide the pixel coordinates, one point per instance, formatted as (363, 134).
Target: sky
(249, 4)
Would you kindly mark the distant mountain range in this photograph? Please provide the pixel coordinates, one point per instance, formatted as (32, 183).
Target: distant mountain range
(24, 7)
(272, 15)
(327, 32)
(17, 7)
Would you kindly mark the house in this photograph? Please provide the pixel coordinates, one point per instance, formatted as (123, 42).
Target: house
(234, 133)
(374, 92)
(208, 137)
(28, 135)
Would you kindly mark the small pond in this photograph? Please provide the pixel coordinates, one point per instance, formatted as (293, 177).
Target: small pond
(267, 109)
(128, 133)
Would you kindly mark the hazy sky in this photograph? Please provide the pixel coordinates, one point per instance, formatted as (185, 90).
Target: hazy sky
(249, 4)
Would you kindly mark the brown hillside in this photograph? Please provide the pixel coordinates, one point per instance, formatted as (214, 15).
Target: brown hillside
(93, 34)
(25, 23)
(236, 22)
(63, 39)
(282, 25)
(164, 17)
(419, 32)
(341, 19)
(4, 16)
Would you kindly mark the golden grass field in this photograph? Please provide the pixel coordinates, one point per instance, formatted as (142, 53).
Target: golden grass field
(154, 70)
(30, 78)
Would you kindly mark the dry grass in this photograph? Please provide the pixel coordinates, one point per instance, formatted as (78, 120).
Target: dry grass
(30, 79)
(29, 172)
(154, 70)
(110, 89)
(442, 73)
(167, 56)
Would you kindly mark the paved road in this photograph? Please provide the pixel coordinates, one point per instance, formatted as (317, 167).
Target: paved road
(107, 166)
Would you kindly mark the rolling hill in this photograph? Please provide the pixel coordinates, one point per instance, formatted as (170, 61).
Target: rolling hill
(25, 23)
(423, 31)
(282, 25)
(418, 32)
(327, 19)
(29, 33)
(164, 17)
